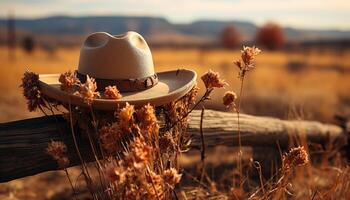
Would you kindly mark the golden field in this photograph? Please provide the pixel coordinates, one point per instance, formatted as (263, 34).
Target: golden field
(315, 84)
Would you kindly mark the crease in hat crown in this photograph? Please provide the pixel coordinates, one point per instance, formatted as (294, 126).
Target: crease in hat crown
(116, 57)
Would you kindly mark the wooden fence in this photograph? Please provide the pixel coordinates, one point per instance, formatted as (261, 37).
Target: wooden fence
(23, 143)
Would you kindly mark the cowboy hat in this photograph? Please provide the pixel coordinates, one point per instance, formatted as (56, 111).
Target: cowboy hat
(124, 61)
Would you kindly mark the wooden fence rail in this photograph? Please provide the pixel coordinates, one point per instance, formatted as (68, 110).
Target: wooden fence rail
(23, 143)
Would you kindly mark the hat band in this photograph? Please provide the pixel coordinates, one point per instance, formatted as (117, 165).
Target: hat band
(123, 85)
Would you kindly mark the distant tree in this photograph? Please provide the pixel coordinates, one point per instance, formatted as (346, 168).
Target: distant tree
(28, 44)
(230, 37)
(271, 36)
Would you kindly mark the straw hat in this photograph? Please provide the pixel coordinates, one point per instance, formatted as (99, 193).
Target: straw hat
(124, 61)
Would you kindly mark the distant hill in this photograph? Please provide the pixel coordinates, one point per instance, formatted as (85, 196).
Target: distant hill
(155, 29)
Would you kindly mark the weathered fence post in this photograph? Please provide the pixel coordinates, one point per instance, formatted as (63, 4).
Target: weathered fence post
(23, 143)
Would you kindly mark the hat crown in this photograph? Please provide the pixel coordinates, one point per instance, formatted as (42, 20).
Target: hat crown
(125, 56)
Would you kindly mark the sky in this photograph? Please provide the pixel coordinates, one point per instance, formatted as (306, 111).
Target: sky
(310, 14)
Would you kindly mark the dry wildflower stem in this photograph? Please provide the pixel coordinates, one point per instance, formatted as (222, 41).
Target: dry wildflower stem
(202, 135)
(58, 151)
(92, 143)
(203, 145)
(35, 99)
(211, 81)
(244, 65)
(201, 100)
(296, 157)
(85, 171)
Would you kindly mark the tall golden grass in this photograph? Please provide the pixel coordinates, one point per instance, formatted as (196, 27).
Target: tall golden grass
(272, 89)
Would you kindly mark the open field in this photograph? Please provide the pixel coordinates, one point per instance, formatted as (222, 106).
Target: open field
(310, 85)
(315, 84)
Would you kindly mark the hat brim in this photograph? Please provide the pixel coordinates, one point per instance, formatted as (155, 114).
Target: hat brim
(172, 85)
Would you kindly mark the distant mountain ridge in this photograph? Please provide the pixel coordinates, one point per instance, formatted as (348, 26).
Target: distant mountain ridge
(157, 29)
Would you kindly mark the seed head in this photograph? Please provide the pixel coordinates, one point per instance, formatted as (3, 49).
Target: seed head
(166, 143)
(248, 56)
(68, 81)
(247, 63)
(172, 111)
(229, 99)
(115, 173)
(125, 117)
(192, 95)
(140, 153)
(58, 150)
(111, 138)
(295, 157)
(146, 117)
(171, 177)
(212, 80)
(31, 91)
(88, 90)
(111, 92)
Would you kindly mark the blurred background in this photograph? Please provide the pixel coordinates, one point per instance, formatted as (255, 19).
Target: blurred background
(304, 67)
(304, 70)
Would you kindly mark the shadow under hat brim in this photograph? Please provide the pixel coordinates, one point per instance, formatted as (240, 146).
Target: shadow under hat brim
(172, 85)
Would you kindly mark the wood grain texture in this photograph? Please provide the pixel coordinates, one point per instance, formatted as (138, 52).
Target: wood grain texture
(23, 143)
(220, 128)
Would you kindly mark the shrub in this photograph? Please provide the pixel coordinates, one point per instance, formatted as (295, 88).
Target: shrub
(230, 37)
(271, 36)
